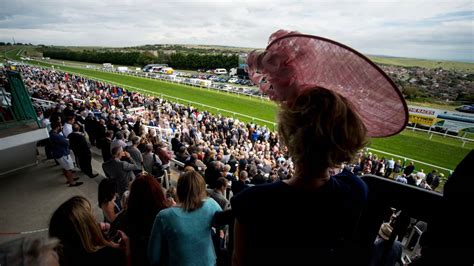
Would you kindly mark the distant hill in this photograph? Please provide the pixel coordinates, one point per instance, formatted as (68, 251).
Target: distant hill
(215, 49)
(413, 62)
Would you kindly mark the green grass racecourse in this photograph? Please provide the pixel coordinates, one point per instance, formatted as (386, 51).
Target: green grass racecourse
(440, 151)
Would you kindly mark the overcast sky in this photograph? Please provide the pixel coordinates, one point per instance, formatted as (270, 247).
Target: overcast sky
(409, 28)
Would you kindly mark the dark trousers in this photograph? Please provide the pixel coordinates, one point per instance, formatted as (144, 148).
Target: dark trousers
(85, 163)
(92, 138)
(388, 172)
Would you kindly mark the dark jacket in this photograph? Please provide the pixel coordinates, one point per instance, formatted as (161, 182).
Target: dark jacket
(59, 145)
(78, 144)
(105, 147)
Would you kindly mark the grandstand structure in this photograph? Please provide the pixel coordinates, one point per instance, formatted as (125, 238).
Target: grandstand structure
(19, 126)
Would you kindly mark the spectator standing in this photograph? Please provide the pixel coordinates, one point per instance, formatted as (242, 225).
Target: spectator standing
(90, 126)
(146, 200)
(67, 128)
(135, 154)
(105, 145)
(389, 168)
(81, 150)
(241, 184)
(323, 121)
(409, 169)
(120, 169)
(218, 193)
(397, 168)
(430, 177)
(436, 181)
(149, 159)
(184, 232)
(60, 151)
(118, 141)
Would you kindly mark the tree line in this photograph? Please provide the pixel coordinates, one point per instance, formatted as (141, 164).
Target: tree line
(191, 61)
(18, 43)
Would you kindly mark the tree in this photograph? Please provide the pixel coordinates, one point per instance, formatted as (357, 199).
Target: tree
(147, 58)
(411, 92)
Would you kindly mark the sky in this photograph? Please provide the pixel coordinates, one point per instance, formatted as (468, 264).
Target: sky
(405, 28)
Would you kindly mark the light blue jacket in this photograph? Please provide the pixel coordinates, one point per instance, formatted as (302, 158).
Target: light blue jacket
(187, 235)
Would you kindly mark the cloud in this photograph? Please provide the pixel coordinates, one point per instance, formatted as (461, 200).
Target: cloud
(428, 29)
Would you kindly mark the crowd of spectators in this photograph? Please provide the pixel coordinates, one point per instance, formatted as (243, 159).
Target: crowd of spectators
(137, 134)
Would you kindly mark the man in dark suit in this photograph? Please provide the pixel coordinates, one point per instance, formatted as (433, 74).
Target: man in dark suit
(105, 144)
(90, 126)
(175, 143)
(80, 147)
(240, 184)
(100, 131)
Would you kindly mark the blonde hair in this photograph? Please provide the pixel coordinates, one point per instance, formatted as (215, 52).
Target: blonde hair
(321, 130)
(73, 223)
(191, 190)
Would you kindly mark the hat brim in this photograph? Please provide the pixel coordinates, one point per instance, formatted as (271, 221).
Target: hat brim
(294, 62)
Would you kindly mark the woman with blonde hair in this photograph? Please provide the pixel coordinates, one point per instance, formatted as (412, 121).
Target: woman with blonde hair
(331, 100)
(82, 241)
(182, 234)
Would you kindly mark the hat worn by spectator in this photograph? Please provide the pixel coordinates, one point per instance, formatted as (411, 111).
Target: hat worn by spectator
(385, 231)
(293, 63)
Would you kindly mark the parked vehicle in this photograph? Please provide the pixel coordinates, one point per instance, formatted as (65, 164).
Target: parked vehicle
(167, 70)
(466, 109)
(122, 69)
(151, 67)
(220, 71)
(233, 80)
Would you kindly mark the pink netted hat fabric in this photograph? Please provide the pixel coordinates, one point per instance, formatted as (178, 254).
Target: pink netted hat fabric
(293, 63)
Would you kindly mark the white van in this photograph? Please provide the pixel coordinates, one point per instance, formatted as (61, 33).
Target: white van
(220, 71)
(122, 69)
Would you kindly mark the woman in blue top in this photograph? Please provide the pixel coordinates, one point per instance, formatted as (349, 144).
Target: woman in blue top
(182, 234)
(331, 99)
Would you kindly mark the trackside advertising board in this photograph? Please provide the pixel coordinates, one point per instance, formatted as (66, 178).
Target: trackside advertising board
(452, 121)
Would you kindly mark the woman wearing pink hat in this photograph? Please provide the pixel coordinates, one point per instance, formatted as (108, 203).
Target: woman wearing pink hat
(331, 100)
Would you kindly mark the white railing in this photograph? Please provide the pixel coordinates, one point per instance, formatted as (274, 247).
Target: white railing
(445, 134)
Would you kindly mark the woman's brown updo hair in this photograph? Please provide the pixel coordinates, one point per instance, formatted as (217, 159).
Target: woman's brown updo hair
(321, 130)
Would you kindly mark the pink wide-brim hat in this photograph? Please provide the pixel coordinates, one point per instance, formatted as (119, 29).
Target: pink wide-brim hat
(295, 62)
